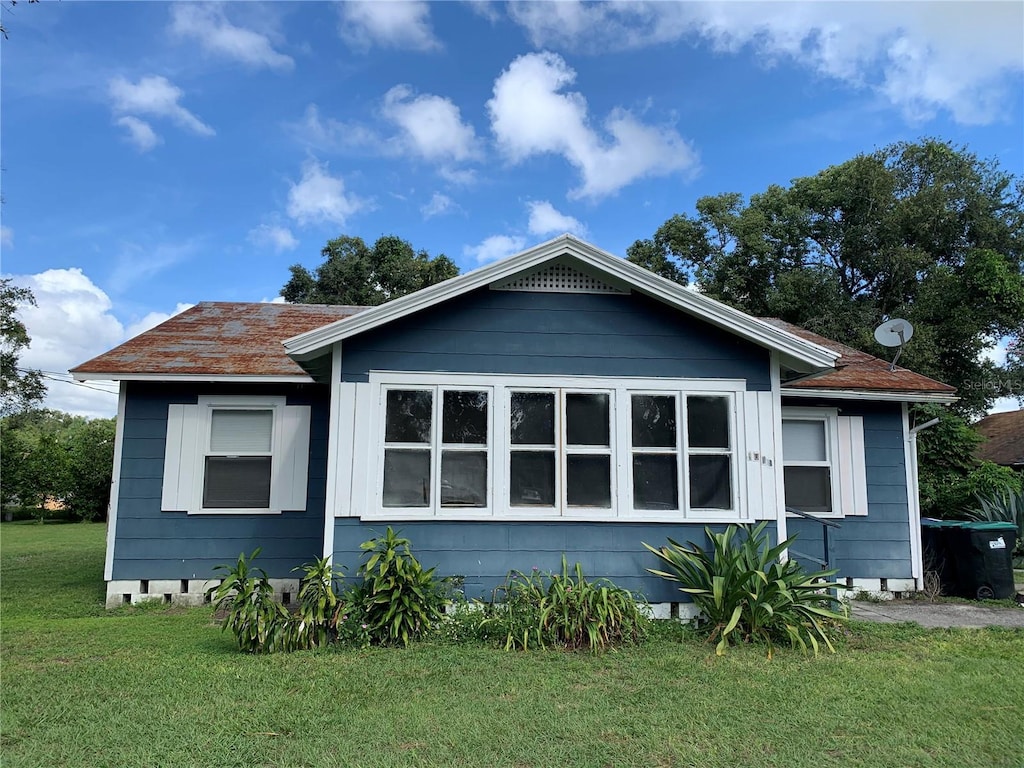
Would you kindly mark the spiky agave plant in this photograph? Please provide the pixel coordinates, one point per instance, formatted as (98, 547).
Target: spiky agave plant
(744, 592)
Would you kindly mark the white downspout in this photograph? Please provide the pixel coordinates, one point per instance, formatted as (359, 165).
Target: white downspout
(914, 495)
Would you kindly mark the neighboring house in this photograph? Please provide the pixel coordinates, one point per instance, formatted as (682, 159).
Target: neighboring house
(559, 401)
(1004, 439)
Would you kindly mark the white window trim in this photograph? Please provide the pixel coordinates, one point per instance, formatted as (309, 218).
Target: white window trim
(187, 445)
(619, 390)
(207, 405)
(830, 418)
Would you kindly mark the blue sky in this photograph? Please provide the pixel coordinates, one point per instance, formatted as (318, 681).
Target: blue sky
(160, 154)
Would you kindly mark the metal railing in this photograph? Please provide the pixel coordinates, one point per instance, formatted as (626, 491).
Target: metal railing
(825, 525)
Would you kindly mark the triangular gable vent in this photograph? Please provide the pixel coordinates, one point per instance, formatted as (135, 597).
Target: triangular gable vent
(557, 278)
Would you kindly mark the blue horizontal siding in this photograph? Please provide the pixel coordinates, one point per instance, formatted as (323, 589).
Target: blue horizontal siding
(557, 334)
(876, 545)
(484, 552)
(151, 544)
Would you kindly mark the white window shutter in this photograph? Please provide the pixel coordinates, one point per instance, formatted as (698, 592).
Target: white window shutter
(759, 460)
(182, 470)
(291, 459)
(853, 483)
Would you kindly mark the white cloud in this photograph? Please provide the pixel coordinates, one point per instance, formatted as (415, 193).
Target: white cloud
(157, 96)
(431, 126)
(6, 236)
(530, 116)
(495, 247)
(140, 133)
(545, 220)
(389, 24)
(328, 134)
(439, 204)
(274, 236)
(209, 25)
(72, 322)
(320, 198)
(153, 319)
(921, 56)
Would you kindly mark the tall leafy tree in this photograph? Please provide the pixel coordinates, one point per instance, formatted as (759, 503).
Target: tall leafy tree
(355, 273)
(19, 389)
(926, 231)
(49, 455)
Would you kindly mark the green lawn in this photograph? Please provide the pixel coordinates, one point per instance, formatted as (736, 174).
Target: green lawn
(163, 687)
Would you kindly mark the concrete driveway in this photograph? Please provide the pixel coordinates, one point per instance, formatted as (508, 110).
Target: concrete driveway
(941, 614)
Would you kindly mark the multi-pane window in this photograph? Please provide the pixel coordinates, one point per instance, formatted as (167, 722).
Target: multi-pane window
(238, 460)
(560, 449)
(514, 449)
(425, 466)
(658, 443)
(807, 465)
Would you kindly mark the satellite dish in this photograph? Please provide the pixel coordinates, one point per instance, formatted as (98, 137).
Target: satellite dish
(894, 333)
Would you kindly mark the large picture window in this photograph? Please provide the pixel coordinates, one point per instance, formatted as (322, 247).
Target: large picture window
(523, 449)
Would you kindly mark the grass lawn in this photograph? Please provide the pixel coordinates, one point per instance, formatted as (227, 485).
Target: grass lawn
(163, 687)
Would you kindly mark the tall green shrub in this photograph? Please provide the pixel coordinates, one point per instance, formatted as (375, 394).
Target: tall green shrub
(400, 599)
(258, 623)
(745, 593)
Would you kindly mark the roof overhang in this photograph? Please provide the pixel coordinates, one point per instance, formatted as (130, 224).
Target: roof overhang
(871, 394)
(187, 377)
(793, 351)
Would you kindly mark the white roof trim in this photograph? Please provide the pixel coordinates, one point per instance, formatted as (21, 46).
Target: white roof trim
(233, 378)
(871, 394)
(306, 345)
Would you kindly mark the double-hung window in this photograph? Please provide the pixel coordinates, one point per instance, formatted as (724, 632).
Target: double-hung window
(824, 462)
(244, 454)
(239, 459)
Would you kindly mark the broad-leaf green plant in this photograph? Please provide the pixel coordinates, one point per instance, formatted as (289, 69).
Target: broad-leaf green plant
(315, 623)
(745, 593)
(566, 610)
(259, 623)
(400, 599)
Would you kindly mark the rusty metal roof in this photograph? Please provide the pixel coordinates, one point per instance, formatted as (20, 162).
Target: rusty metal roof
(1004, 438)
(216, 338)
(859, 370)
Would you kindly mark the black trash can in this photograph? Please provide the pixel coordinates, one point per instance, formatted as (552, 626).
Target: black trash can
(983, 557)
(938, 556)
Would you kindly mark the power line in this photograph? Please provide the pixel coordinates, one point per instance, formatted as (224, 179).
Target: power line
(48, 375)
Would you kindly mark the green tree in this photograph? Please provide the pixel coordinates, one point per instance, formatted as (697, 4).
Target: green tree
(51, 455)
(89, 445)
(19, 389)
(925, 231)
(354, 273)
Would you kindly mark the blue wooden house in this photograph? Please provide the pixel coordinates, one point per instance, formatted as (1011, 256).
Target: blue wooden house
(561, 400)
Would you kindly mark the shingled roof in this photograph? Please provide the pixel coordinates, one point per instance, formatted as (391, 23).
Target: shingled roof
(216, 338)
(1004, 438)
(856, 370)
